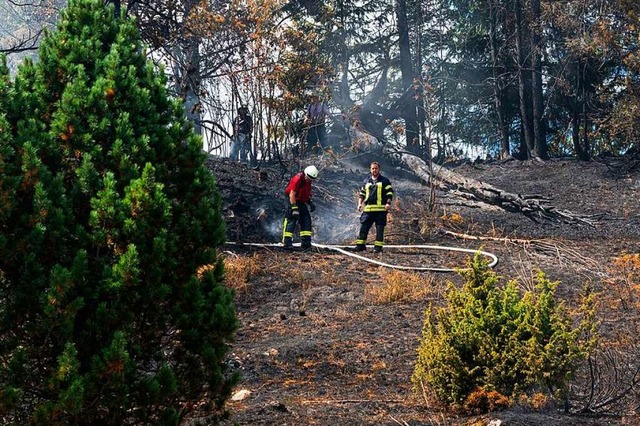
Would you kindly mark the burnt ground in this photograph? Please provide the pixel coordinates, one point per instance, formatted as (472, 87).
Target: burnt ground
(316, 347)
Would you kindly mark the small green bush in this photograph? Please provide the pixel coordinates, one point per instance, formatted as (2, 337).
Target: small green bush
(496, 339)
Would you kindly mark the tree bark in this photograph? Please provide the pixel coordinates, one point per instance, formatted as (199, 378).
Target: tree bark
(498, 87)
(575, 107)
(409, 106)
(585, 118)
(539, 126)
(187, 72)
(524, 79)
(575, 135)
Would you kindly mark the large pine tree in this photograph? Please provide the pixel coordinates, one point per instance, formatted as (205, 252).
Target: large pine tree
(107, 213)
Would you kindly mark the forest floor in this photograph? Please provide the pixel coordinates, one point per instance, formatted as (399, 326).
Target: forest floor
(322, 341)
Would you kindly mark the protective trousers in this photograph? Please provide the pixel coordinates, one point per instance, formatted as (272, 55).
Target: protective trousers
(367, 219)
(317, 137)
(290, 222)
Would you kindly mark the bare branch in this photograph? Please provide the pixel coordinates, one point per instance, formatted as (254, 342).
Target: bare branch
(23, 45)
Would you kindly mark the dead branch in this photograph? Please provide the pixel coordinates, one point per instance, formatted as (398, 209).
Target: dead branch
(556, 249)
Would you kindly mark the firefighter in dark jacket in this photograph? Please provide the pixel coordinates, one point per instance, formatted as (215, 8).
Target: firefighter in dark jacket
(374, 201)
(299, 207)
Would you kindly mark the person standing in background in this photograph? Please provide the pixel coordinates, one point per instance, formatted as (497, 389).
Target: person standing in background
(374, 201)
(315, 123)
(241, 140)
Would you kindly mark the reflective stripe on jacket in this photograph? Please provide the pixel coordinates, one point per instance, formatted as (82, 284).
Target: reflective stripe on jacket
(376, 194)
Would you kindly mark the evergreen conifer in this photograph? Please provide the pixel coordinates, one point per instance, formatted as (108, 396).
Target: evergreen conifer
(107, 213)
(490, 338)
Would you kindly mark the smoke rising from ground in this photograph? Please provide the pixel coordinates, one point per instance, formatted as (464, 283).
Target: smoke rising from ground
(331, 224)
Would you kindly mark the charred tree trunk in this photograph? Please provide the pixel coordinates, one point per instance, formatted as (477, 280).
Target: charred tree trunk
(343, 55)
(524, 78)
(409, 106)
(539, 126)
(575, 136)
(579, 115)
(498, 86)
(187, 73)
(585, 120)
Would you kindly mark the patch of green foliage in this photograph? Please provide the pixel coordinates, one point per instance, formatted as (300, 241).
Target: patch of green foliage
(499, 339)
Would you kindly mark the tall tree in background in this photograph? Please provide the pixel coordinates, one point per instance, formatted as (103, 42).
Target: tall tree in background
(473, 76)
(192, 39)
(196, 40)
(581, 60)
(111, 307)
(408, 106)
(537, 97)
(524, 80)
(352, 49)
(498, 66)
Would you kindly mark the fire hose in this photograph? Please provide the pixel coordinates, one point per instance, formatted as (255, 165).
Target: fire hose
(342, 250)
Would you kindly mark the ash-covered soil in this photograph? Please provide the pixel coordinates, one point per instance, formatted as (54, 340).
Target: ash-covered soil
(315, 347)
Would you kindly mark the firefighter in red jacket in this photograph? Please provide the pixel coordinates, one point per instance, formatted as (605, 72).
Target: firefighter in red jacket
(299, 207)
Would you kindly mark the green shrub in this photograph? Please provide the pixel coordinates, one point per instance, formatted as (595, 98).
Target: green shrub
(495, 339)
(107, 211)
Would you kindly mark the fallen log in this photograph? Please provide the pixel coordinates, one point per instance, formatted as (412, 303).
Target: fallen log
(534, 207)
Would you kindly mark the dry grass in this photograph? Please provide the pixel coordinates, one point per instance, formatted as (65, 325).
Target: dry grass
(482, 401)
(621, 296)
(399, 287)
(239, 270)
(537, 402)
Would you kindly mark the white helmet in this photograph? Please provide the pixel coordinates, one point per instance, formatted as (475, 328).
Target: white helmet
(311, 172)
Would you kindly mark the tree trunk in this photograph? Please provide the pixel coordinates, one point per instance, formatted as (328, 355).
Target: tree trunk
(373, 117)
(576, 105)
(585, 124)
(575, 135)
(498, 87)
(422, 100)
(524, 79)
(539, 127)
(342, 97)
(409, 106)
(187, 74)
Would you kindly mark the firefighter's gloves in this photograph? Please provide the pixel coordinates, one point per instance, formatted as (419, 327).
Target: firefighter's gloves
(312, 206)
(295, 213)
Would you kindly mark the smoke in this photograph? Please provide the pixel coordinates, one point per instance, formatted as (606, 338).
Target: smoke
(331, 225)
(335, 226)
(270, 222)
